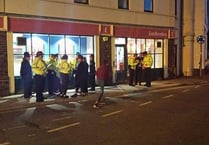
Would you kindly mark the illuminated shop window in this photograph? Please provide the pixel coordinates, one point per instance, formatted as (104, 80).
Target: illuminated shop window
(57, 44)
(119, 60)
(21, 43)
(120, 41)
(50, 44)
(159, 46)
(40, 42)
(131, 46)
(150, 45)
(140, 45)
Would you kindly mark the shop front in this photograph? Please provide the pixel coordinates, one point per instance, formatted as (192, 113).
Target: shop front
(134, 40)
(66, 38)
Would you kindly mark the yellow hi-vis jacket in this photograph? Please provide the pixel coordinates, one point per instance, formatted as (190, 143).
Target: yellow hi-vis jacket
(74, 63)
(132, 62)
(64, 67)
(39, 66)
(147, 61)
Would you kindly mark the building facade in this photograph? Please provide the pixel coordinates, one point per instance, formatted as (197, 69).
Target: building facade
(109, 29)
(195, 23)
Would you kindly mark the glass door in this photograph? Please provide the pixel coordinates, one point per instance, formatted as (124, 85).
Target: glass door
(120, 63)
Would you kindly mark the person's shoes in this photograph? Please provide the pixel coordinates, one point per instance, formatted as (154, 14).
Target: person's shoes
(95, 106)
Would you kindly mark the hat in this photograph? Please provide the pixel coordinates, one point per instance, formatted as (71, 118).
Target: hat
(39, 53)
(64, 56)
(26, 54)
(80, 57)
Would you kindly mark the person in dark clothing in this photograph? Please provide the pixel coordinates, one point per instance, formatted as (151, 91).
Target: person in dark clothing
(83, 75)
(92, 73)
(138, 76)
(78, 73)
(26, 75)
(102, 76)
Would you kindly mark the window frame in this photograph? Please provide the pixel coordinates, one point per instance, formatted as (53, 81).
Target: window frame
(123, 8)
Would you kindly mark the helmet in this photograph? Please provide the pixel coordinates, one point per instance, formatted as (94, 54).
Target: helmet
(64, 56)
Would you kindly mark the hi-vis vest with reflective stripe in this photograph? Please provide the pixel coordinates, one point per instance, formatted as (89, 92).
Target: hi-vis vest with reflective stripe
(39, 66)
(132, 62)
(64, 67)
(147, 61)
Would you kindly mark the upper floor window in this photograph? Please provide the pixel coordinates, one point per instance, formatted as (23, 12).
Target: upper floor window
(123, 4)
(148, 5)
(81, 1)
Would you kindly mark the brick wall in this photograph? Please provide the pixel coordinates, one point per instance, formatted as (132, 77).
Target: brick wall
(4, 79)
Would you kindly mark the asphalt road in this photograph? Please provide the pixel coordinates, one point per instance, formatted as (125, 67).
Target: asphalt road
(166, 116)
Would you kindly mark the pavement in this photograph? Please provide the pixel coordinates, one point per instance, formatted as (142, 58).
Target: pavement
(17, 102)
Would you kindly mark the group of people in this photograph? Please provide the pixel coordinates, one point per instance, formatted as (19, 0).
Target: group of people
(139, 67)
(57, 74)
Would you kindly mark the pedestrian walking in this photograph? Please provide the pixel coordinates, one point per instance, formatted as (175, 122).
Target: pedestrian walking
(132, 67)
(52, 72)
(147, 64)
(26, 75)
(102, 76)
(39, 68)
(64, 69)
(92, 73)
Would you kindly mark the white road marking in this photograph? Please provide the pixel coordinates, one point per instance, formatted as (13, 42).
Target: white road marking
(167, 89)
(16, 127)
(64, 127)
(197, 86)
(144, 104)
(167, 97)
(187, 90)
(6, 143)
(3, 101)
(63, 118)
(112, 113)
(31, 135)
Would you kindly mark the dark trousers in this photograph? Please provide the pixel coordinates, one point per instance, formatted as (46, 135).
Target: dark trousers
(147, 76)
(138, 76)
(84, 85)
(131, 76)
(92, 81)
(39, 87)
(101, 85)
(52, 82)
(27, 83)
(64, 83)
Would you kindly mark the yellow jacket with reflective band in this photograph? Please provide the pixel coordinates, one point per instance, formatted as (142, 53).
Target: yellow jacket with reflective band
(52, 64)
(39, 66)
(73, 63)
(132, 62)
(64, 66)
(147, 61)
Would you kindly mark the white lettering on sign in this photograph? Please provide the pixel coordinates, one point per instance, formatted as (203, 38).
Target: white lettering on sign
(157, 34)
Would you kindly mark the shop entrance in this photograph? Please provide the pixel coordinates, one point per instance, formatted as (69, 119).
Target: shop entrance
(120, 63)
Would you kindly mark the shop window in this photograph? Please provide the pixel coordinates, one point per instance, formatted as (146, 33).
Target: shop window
(148, 5)
(57, 44)
(123, 4)
(86, 45)
(158, 61)
(40, 42)
(119, 60)
(19, 47)
(81, 1)
(150, 45)
(120, 41)
(140, 45)
(159, 46)
(131, 46)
